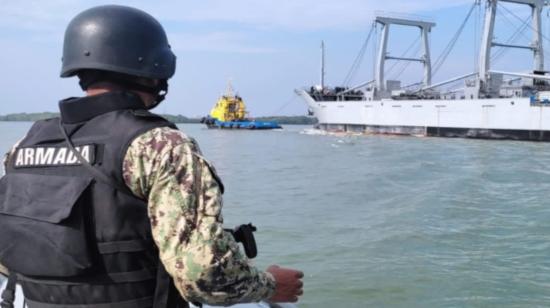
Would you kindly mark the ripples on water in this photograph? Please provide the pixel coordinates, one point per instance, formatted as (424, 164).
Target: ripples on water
(379, 221)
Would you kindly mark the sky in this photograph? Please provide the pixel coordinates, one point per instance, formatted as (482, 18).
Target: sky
(267, 48)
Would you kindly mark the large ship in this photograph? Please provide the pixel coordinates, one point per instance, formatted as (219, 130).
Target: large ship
(487, 104)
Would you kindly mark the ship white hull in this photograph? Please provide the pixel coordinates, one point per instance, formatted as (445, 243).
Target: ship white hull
(501, 118)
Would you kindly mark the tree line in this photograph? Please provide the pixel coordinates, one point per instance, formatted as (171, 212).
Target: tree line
(31, 117)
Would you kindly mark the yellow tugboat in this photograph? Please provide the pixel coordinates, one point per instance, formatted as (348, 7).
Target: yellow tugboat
(230, 112)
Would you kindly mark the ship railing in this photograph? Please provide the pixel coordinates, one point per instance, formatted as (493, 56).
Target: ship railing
(522, 75)
(413, 85)
(439, 84)
(448, 92)
(357, 87)
(350, 97)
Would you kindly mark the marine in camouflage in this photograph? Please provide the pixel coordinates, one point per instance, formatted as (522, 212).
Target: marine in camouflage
(184, 197)
(166, 167)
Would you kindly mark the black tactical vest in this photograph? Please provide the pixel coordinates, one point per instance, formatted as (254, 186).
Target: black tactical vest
(74, 239)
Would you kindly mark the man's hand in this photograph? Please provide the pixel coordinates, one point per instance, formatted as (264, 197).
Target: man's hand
(288, 284)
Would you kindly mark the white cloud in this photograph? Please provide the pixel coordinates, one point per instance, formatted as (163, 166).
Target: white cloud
(300, 15)
(297, 14)
(45, 21)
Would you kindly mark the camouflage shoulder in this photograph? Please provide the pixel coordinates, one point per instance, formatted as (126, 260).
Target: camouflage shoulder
(163, 138)
(146, 155)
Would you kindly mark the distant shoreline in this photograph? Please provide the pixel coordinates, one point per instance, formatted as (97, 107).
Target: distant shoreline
(31, 117)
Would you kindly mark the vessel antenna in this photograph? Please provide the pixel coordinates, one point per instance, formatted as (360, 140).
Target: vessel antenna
(322, 64)
(229, 91)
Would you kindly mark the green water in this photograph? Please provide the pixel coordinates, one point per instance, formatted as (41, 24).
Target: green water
(389, 221)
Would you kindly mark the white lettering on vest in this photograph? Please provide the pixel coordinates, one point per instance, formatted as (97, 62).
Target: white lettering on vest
(72, 159)
(53, 156)
(60, 157)
(29, 156)
(86, 153)
(19, 161)
(44, 156)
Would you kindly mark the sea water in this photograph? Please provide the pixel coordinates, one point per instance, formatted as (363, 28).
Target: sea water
(381, 221)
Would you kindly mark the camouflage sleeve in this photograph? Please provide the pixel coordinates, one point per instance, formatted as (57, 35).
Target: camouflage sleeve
(166, 167)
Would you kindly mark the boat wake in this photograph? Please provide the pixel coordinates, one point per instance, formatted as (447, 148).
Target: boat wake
(314, 131)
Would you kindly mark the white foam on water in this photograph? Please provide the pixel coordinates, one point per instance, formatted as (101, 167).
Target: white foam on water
(313, 131)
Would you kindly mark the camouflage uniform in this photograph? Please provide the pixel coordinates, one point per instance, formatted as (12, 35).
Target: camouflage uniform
(166, 167)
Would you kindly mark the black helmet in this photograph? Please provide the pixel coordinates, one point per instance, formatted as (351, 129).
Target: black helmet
(117, 39)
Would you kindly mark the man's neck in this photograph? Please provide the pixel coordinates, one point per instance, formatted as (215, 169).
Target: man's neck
(147, 98)
(92, 92)
(101, 88)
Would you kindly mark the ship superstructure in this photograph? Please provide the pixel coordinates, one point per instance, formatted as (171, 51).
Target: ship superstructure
(230, 107)
(487, 103)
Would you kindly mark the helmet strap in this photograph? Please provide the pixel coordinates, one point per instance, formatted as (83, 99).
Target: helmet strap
(159, 91)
